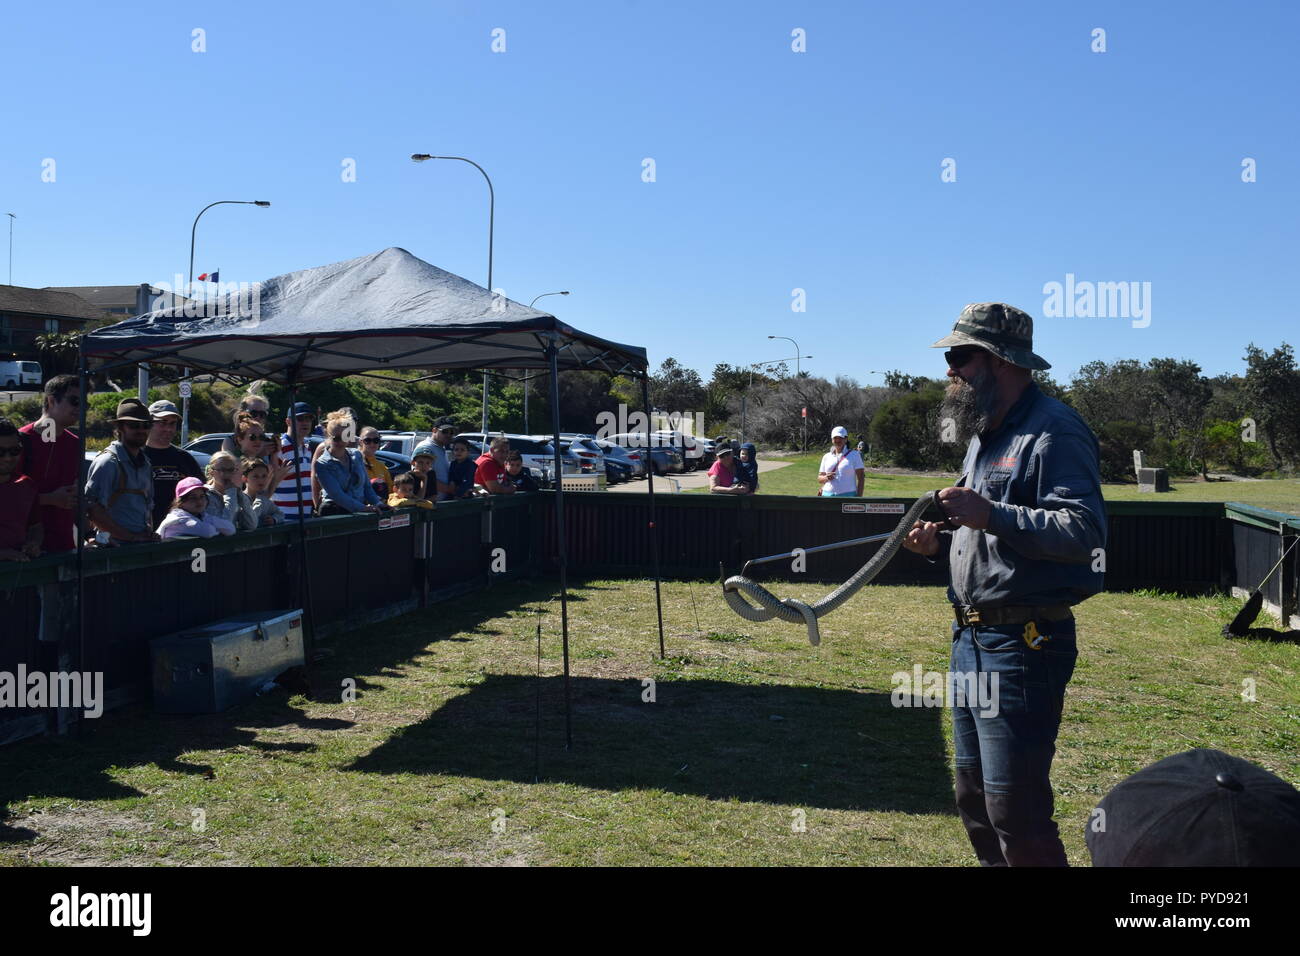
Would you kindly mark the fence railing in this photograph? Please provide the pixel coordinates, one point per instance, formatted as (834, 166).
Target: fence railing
(362, 569)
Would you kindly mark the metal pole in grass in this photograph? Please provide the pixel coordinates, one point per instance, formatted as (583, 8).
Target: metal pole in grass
(552, 355)
(654, 531)
(537, 735)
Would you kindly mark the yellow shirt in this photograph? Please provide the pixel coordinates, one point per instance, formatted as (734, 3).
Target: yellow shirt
(394, 501)
(377, 469)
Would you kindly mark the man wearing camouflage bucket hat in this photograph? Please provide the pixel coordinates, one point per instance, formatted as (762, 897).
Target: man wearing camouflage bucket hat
(1028, 546)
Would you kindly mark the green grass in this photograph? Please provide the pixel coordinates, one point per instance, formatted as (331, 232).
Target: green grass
(800, 478)
(750, 729)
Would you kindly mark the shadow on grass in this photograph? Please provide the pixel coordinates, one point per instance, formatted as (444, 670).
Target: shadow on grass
(80, 766)
(800, 746)
(1266, 634)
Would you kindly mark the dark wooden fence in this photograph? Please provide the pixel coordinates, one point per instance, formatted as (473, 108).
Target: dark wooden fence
(362, 569)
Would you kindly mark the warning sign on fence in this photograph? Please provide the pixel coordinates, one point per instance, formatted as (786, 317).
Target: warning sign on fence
(872, 508)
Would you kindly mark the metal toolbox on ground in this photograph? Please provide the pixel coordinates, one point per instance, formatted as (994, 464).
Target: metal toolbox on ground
(208, 669)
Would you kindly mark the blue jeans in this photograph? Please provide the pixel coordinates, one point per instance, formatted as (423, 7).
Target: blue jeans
(1005, 743)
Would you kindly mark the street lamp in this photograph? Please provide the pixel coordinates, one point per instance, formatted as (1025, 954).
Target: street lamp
(527, 377)
(189, 290)
(799, 373)
(12, 217)
(492, 212)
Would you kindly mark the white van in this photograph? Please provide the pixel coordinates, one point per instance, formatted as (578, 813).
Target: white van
(14, 375)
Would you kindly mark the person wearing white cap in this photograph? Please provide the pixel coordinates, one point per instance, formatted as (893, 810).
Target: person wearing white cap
(842, 473)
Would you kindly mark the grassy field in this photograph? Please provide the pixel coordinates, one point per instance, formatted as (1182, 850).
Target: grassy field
(751, 731)
(800, 478)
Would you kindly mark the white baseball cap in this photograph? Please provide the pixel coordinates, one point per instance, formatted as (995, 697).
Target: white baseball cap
(839, 431)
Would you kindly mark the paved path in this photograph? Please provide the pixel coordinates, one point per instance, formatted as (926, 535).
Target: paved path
(695, 479)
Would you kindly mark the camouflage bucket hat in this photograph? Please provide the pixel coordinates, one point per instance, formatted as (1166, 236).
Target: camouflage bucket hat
(1001, 329)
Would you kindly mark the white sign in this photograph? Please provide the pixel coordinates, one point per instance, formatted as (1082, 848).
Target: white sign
(884, 508)
(186, 389)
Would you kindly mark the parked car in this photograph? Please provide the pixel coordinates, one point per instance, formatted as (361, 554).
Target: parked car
(617, 472)
(665, 459)
(400, 442)
(584, 446)
(693, 452)
(633, 459)
(208, 445)
(15, 375)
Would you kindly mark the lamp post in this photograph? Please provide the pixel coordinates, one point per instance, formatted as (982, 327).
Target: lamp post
(189, 288)
(798, 373)
(528, 378)
(12, 217)
(492, 211)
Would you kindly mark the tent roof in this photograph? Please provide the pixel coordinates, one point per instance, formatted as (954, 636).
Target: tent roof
(387, 310)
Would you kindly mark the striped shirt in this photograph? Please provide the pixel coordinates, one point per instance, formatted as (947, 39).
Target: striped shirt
(294, 492)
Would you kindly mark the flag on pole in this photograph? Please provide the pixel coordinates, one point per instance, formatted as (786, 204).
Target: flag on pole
(209, 276)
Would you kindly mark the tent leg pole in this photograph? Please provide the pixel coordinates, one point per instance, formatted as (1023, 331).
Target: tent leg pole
(654, 531)
(560, 539)
(304, 578)
(80, 522)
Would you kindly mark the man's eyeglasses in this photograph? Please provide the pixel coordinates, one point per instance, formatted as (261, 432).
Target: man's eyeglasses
(957, 358)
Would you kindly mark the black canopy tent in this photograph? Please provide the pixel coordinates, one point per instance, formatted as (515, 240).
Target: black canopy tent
(385, 311)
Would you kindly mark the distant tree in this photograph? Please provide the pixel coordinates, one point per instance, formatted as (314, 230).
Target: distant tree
(676, 388)
(1272, 394)
(903, 382)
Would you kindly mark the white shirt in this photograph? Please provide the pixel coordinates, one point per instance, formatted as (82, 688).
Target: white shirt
(844, 472)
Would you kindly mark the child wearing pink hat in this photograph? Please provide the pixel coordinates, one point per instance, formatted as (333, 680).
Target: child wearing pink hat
(186, 517)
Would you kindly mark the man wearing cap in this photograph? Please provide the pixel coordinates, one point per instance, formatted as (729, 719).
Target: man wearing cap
(170, 464)
(436, 447)
(1031, 527)
(119, 488)
(293, 494)
(842, 473)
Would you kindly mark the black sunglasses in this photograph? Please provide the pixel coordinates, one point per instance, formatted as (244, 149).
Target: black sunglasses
(370, 441)
(256, 412)
(956, 358)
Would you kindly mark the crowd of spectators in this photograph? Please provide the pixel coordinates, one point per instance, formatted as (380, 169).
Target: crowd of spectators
(144, 488)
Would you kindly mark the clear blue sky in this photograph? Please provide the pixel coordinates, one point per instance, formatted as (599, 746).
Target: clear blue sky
(775, 170)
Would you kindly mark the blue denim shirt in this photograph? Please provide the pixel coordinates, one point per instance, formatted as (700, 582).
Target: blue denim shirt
(1040, 470)
(345, 483)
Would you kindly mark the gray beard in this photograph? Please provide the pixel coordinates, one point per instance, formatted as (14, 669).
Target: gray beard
(971, 405)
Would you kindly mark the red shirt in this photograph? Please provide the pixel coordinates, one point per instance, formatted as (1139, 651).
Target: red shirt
(54, 465)
(489, 470)
(18, 511)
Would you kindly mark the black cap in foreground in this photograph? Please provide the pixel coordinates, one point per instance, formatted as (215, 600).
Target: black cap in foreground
(1198, 808)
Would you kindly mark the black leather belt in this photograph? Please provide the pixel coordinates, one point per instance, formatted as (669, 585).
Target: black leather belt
(1010, 614)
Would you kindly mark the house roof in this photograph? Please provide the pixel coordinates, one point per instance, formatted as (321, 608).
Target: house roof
(104, 296)
(53, 302)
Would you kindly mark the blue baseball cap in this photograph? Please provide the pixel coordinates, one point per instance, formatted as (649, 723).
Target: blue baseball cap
(302, 408)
